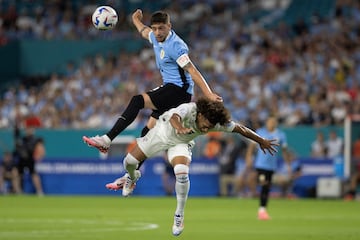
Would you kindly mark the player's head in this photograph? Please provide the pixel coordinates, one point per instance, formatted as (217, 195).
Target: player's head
(271, 122)
(160, 25)
(210, 113)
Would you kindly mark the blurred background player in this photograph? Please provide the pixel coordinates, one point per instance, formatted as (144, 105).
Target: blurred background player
(178, 75)
(29, 149)
(265, 164)
(9, 175)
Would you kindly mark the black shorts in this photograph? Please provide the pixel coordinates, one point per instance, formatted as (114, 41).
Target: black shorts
(166, 97)
(261, 173)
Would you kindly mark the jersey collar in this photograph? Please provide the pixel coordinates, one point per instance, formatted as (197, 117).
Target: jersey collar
(167, 37)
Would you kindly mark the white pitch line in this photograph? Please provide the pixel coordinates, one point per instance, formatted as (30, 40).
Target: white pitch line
(120, 226)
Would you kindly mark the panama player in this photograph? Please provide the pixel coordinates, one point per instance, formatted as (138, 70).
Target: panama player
(174, 131)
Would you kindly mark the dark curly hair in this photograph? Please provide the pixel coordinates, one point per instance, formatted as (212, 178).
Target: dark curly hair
(213, 111)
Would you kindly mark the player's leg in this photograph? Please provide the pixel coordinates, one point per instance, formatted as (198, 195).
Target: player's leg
(21, 171)
(144, 148)
(16, 180)
(150, 124)
(264, 178)
(137, 103)
(131, 162)
(180, 158)
(35, 178)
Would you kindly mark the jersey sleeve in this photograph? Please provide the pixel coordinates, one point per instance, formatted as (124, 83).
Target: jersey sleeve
(229, 127)
(152, 37)
(179, 52)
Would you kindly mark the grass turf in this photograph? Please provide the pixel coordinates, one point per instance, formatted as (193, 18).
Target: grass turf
(87, 217)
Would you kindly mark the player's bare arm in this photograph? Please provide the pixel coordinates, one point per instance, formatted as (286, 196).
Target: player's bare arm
(144, 30)
(200, 81)
(176, 123)
(265, 144)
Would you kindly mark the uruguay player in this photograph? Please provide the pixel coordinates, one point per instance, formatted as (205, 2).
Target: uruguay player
(266, 164)
(177, 71)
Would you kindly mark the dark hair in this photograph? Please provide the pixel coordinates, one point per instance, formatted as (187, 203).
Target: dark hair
(215, 112)
(159, 17)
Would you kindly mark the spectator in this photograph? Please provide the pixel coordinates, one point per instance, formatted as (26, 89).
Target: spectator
(318, 147)
(286, 175)
(334, 145)
(227, 160)
(213, 147)
(9, 173)
(355, 170)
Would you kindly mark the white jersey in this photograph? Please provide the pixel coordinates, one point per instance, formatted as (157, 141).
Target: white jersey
(163, 136)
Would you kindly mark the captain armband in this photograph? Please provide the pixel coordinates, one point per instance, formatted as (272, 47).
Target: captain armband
(183, 60)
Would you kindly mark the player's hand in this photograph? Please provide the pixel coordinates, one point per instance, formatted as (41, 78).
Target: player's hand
(269, 145)
(214, 97)
(137, 15)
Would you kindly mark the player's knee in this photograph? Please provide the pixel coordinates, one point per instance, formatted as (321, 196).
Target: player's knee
(130, 160)
(138, 101)
(181, 173)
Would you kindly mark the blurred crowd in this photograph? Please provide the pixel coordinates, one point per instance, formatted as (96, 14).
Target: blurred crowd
(306, 73)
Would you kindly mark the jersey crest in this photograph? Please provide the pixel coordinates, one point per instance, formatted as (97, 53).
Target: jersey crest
(162, 53)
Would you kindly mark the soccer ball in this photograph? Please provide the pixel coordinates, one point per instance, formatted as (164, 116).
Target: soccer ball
(104, 18)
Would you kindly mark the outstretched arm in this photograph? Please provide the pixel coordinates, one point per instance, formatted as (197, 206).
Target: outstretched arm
(140, 26)
(201, 82)
(265, 144)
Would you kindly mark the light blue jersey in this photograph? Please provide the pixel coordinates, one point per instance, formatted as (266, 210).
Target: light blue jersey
(268, 161)
(166, 54)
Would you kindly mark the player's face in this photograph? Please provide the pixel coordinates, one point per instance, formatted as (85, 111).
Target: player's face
(161, 31)
(271, 123)
(203, 124)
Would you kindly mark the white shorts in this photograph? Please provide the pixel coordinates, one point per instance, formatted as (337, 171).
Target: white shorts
(155, 141)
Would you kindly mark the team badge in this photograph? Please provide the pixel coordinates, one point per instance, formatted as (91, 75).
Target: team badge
(162, 53)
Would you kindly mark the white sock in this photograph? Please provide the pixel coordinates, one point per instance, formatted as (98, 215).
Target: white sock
(130, 164)
(261, 209)
(182, 187)
(106, 139)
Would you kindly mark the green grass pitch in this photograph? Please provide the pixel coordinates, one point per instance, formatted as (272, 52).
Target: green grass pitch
(110, 218)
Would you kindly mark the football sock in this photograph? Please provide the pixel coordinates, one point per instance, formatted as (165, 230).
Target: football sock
(144, 131)
(130, 164)
(264, 195)
(136, 104)
(182, 187)
(262, 209)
